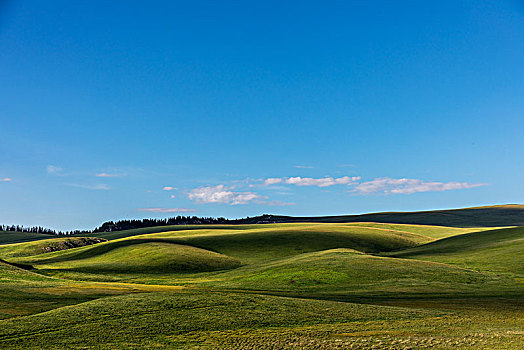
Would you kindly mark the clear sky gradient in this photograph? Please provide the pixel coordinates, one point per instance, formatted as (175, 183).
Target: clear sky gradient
(112, 110)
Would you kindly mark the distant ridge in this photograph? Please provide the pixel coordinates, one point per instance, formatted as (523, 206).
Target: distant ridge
(488, 216)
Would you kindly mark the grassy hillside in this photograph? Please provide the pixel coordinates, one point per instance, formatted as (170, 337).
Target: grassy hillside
(431, 231)
(256, 244)
(166, 316)
(170, 228)
(26, 292)
(477, 217)
(290, 285)
(496, 251)
(241, 321)
(9, 272)
(489, 216)
(316, 258)
(8, 251)
(351, 273)
(8, 237)
(142, 257)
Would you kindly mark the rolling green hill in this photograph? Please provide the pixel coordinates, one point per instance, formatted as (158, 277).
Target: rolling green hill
(352, 273)
(9, 237)
(317, 258)
(285, 285)
(253, 244)
(211, 320)
(160, 319)
(8, 251)
(497, 251)
(140, 256)
(11, 272)
(489, 216)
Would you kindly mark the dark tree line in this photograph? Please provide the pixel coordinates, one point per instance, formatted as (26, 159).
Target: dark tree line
(111, 226)
(39, 229)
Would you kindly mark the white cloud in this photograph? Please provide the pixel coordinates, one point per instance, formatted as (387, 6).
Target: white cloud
(272, 181)
(388, 185)
(169, 188)
(303, 167)
(6, 179)
(51, 169)
(91, 187)
(308, 181)
(167, 210)
(221, 194)
(172, 196)
(322, 182)
(107, 175)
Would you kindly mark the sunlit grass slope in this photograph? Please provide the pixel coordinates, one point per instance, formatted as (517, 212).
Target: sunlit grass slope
(135, 256)
(241, 288)
(488, 216)
(269, 243)
(348, 272)
(37, 247)
(426, 230)
(209, 249)
(8, 237)
(154, 320)
(26, 292)
(156, 229)
(320, 258)
(254, 245)
(10, 272)
(200, 320)
(496, 251)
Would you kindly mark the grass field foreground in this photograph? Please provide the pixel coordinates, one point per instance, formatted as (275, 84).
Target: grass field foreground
(322, 286)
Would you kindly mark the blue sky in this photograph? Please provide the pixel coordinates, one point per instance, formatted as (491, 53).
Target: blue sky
(112, 110)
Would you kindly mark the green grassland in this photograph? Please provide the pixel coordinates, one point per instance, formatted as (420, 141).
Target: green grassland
(8, 251)
(497, 251)
(290, 285)
(144, 257)
(487, 216)
(25, 292)
(8, 237)
(348, 274)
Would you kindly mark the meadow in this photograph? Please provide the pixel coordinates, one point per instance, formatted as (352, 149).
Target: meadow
(273, 286)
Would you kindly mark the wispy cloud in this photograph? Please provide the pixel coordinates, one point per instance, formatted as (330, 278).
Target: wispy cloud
(303, 167)
(103, 187)
(384, 185)
(167, 210)
(308, 181)
(169, 188)
(221, 194)
(6, 179)
(388, 185)
(272, 181)
(172, 196)
(53, 170)
(108, 175)
(322, 182)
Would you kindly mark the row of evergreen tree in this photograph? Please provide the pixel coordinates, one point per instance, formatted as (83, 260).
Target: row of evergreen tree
(120, 225)
(111, 226)
(38, 229)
